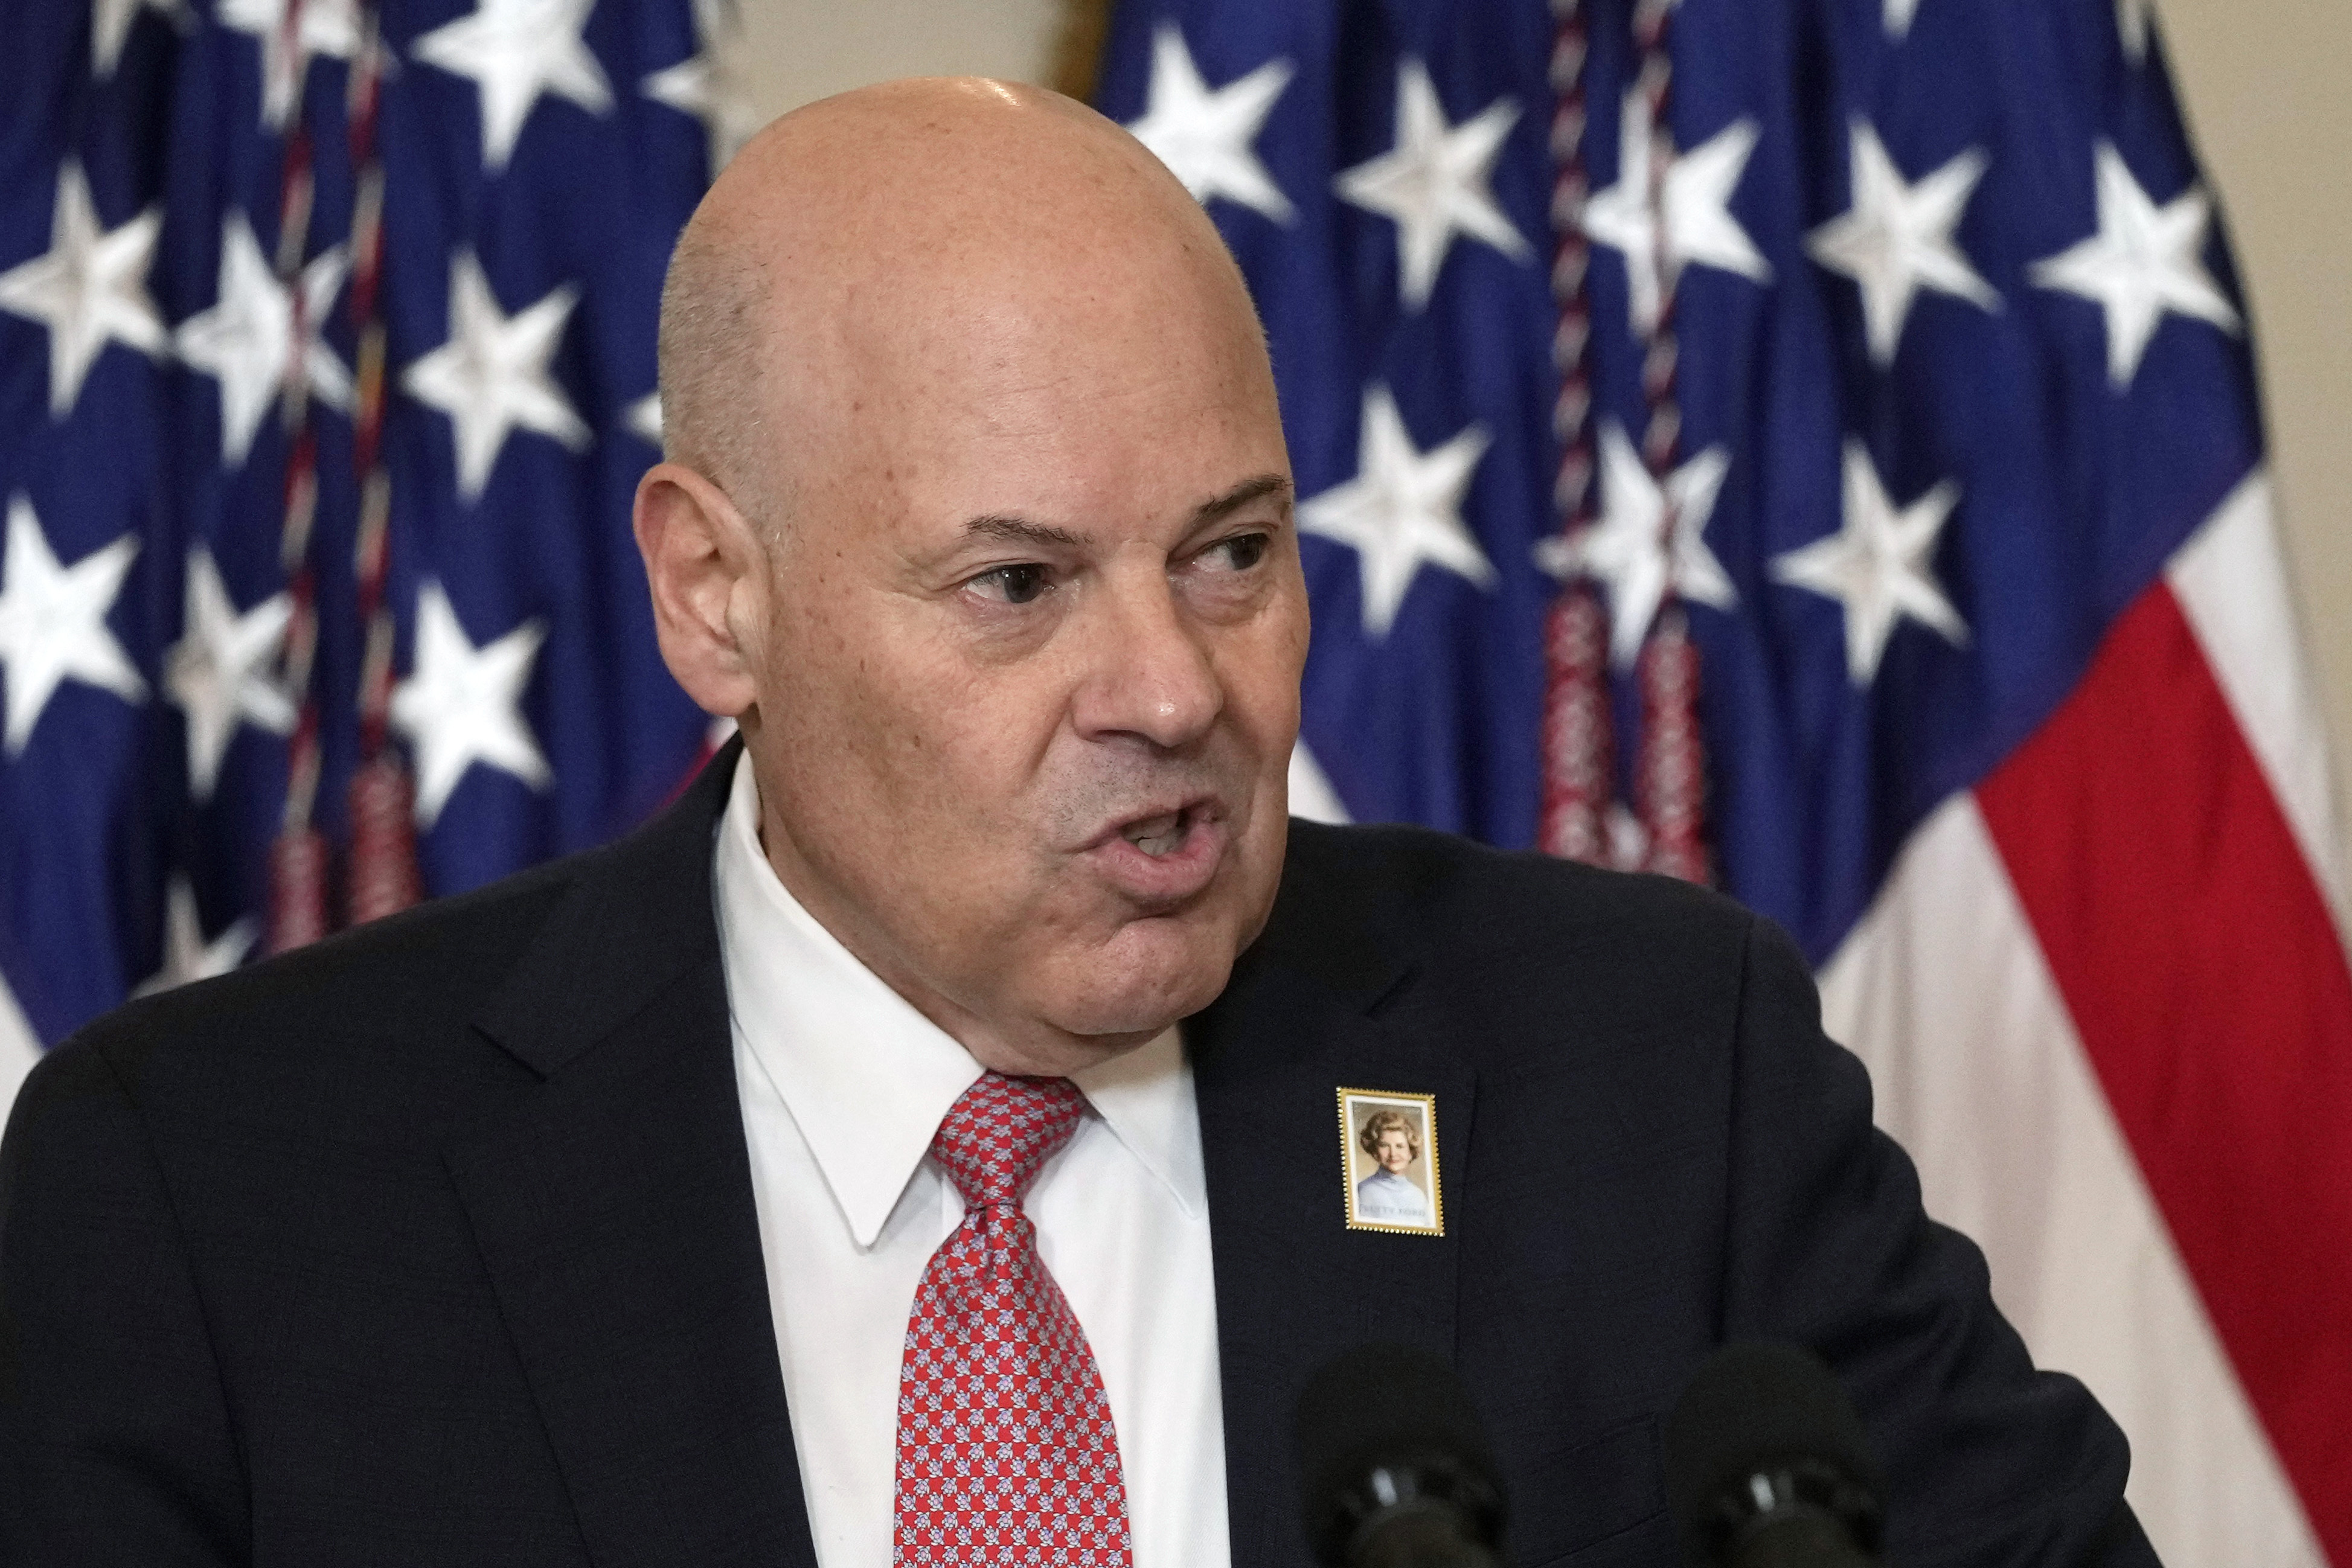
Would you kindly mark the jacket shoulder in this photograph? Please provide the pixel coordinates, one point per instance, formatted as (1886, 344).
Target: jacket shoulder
(1432, 888)
(405, 1010)
(400, 984)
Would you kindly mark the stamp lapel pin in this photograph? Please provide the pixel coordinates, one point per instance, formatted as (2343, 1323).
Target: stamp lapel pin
(1387, 1162)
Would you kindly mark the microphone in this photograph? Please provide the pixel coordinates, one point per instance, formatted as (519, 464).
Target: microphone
(1397, 1470)
(1767, 1465)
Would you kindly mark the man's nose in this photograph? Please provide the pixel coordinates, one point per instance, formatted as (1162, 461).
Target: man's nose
(1149, 671)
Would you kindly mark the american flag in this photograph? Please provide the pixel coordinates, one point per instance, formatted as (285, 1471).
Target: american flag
(1813, 446)
(326, 375)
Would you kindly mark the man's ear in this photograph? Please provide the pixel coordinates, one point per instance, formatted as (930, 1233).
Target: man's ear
(700, 553)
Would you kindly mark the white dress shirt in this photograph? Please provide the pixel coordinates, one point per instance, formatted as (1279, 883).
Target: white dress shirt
(843, 1084)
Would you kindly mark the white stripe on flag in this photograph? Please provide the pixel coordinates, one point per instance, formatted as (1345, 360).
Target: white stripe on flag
(19, 1049)
(1943, 992)
(1311, 795)
(2231, 581)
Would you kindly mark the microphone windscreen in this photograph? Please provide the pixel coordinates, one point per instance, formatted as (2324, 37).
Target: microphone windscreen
(1752, 1407)
(1384, 1407)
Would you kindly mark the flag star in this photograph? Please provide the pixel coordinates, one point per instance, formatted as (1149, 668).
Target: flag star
(109, 29)
(1403, 508)
(643, 419)
(53, 621)
(1205, 137)
(2144, 261)
(704, 85)
(491, 376)
(329, 28)
(1897, 237)
(460, 704)
(1899, 14)
(1877, 565)
(688, 86)
(1434, 182)
(1649, 541)
(515, 51)
(246, 339)
(186, 955)
(90, 288)
(218, 672)
(1696, 201)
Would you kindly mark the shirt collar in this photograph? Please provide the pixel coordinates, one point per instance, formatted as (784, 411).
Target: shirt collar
(866, 1077)
(1146, 1097)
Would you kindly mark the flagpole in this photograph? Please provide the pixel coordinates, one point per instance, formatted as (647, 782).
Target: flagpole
(1670, 771)
(1578, 766)
(299, 858)
(385, 877)
(1078, 45)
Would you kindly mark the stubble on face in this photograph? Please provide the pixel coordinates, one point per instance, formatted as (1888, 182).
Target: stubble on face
(1029, 640)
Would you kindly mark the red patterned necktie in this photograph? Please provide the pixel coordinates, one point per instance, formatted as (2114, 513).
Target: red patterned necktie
(1006, 1453)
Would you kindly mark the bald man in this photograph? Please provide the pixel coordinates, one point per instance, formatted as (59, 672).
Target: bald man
(918, 1145)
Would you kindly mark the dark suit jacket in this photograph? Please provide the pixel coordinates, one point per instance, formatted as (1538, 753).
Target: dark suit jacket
(434, 1245)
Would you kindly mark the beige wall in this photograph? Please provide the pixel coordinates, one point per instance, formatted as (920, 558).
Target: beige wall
(796, 50)
(2269, 88)
(2268, 85)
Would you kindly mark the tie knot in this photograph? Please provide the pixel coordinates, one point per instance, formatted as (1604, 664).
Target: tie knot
(1000, 1131)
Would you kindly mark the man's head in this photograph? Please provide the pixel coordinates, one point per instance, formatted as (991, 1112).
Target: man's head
(977, 519)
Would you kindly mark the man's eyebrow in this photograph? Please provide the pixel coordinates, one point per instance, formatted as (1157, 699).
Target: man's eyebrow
(1020, 531)
(1241, 496)
(1014, 528)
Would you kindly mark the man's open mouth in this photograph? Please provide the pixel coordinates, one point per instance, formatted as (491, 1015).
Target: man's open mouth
(1163, 834)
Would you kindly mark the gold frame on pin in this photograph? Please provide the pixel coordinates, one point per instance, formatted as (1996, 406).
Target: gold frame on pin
(1427, 1105)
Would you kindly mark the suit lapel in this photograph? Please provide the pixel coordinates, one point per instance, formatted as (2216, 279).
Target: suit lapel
(1294, 1284)
(612, 1208)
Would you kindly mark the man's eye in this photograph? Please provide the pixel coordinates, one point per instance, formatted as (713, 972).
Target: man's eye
(1013, 584)
(1242, 551)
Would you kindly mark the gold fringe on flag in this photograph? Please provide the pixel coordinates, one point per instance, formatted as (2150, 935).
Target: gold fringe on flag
(1079, 50)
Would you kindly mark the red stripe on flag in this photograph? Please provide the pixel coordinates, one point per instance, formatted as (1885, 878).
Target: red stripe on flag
(2195, 951)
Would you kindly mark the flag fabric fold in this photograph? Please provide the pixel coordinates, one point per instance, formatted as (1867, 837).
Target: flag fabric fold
(326, 376)
(1815, 447)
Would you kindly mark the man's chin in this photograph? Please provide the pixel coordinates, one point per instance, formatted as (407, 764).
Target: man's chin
(1153, 972)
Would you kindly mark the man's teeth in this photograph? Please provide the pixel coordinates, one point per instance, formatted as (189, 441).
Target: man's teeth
(1157, 835)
